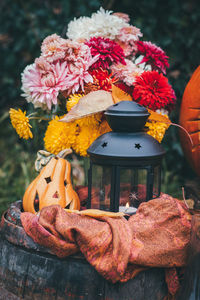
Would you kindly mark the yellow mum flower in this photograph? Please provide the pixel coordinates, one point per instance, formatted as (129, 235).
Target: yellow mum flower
(73, 100)
(93, 120)
(21, 124)
(59, 135)
(86, 121)
(157, 129)
(85, 138)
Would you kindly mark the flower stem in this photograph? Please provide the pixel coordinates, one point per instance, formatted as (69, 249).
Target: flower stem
(40, 118)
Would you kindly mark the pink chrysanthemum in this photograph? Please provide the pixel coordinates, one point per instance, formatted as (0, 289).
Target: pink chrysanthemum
(79, 74)
(123, 16)
(127, 38)
(43, 65)
(42, 88)
(153, 55)
(127, 73)
(54, 48)
(152, 90)
(109, 52)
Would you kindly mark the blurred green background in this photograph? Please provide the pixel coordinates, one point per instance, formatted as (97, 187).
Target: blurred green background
(172, 25)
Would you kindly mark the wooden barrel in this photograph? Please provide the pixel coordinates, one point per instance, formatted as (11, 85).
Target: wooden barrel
(28, 271)
(190, 289)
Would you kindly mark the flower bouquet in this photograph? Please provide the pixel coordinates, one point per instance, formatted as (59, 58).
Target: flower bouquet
(75, 79)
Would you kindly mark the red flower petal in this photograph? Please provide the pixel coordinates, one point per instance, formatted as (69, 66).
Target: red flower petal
(152, 89)
(109, 52)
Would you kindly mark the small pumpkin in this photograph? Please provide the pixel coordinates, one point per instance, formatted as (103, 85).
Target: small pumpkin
(52, 186)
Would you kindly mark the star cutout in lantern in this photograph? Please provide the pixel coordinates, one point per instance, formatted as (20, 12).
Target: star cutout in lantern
(104, 144)
(138, 146)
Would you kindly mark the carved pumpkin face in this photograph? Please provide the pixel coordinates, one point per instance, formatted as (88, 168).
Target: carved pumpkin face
(52, 186)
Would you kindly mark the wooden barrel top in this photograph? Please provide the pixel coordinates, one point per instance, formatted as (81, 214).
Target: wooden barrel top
(29, 271)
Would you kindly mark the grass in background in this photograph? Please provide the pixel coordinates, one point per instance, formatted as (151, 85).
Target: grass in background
(16, 165)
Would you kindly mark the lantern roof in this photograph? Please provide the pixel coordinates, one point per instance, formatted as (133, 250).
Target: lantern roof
(128, 116)
(127, 144)
(127, 108)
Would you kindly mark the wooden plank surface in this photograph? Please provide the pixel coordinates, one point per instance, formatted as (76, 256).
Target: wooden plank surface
(32, 275)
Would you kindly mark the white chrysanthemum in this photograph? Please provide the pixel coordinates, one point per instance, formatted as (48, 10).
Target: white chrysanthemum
(162, 111)
(102, 23)
(144, 66)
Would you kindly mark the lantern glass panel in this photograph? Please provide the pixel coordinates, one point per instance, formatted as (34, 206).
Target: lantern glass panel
(133, 184)
(101, 184)
(156, 182)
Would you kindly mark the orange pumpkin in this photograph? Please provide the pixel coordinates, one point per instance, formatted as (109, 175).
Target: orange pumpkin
(190, 120)
(52, 186)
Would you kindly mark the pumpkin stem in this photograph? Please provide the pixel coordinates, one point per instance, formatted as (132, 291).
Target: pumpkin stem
(64, 153)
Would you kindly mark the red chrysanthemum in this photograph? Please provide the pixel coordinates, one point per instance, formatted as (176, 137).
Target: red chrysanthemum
(152, 90)
(102, 80)
(153, 55)
(109, 52)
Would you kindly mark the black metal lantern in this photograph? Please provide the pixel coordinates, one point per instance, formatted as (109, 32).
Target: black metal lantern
(125, 164)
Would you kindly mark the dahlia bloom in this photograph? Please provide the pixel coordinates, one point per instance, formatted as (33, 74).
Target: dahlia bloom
(102, 80)
(127, 38)
(79, 64)
(152, 90)
(79, 75)
(42, 81)
(42, 88)
(123, 16)
(102, 23)
(153, 55)
(54, 48)
(20, 122)
(127, 73)
(108, 52)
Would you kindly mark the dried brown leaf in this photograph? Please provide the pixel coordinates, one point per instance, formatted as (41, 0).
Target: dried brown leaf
(92, 103)
(119, 95)
(154, 116)
(96, 213)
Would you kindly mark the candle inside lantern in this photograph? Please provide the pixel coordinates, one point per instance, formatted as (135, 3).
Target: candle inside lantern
(127, 209)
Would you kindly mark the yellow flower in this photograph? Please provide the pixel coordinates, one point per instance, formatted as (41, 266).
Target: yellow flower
(21, 124)
(86, 121)
(73, 100)
(60, 135)
(157, 129)
(89, 128)
(85, 138)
